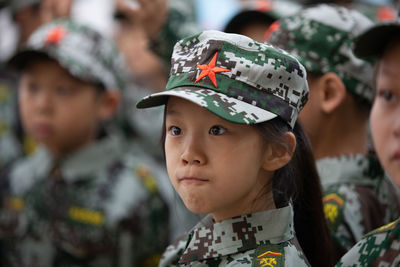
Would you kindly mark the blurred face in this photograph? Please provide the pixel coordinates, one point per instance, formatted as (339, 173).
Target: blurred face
(215, 166)
(56, 109)
(385, 113)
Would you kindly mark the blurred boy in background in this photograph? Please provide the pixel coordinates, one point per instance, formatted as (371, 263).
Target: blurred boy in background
(81, 199)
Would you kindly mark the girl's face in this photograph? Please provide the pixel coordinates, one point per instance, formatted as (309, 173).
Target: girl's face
(216, 166)
(385, 113)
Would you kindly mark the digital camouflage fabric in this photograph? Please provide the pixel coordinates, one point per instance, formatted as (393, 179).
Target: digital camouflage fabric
(259, 239)
(321, 38)
(236, 78)
(379, 248)
(97, 207)
(357, 196)
(84, 52)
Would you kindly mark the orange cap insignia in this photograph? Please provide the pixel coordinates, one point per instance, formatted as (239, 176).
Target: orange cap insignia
(55, 36)
(272, 28)
(210, 70)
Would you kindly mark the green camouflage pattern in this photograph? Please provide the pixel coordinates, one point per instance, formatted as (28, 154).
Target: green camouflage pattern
(97, 207)
(236, 78)
(84, 52)
(378, 248)
(321, 37)
(358, 197)
(260, 239)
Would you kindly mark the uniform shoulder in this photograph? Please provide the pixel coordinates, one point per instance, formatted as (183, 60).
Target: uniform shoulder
(385, 229)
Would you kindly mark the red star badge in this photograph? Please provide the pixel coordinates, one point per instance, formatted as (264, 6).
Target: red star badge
(210, 70)
(55, 36)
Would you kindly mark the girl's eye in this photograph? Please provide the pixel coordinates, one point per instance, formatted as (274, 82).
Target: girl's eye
(217, 130)
(387, 95)
(173, 130)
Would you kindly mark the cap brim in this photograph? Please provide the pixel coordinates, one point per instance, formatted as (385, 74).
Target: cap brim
(373, 41)
(19, 60)
(225, 107)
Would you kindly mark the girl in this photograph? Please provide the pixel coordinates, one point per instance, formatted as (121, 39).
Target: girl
(230, 137)
(380, 247)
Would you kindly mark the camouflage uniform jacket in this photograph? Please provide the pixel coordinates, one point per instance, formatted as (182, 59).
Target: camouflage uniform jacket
(97, 207)
(358, 197)
(10, 145)
(378, 248)
(260, 239)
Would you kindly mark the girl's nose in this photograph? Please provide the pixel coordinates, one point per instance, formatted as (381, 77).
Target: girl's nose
(193, 153)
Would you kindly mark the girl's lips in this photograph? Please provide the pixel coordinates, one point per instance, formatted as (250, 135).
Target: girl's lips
(396, 156)
(192, 180)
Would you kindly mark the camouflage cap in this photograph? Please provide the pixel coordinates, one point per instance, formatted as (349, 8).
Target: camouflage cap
(261, 10)
(321, 37)
(84, 52)
(373, 41)
(236, 78)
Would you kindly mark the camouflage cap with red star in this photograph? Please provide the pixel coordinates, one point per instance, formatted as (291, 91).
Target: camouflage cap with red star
(236, 78)
(85, 53)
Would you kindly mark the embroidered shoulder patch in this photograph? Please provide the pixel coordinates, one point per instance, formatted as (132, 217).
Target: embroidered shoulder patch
(333, 209)
(386, 228)
(143, 172)
(269, 255)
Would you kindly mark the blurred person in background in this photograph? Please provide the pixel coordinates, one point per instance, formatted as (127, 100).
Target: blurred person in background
(146, 32)
(26, 16)
(358, 196)
(255, 16)
(83, 198)
(381, 246)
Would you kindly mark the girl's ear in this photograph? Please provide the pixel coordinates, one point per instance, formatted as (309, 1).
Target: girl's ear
(109, 102)
(276, 156)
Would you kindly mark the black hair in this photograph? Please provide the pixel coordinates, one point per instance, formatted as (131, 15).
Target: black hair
(245, 18)
(298, 182)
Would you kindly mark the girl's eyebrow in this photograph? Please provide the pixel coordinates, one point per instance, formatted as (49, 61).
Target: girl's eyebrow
(171, 111)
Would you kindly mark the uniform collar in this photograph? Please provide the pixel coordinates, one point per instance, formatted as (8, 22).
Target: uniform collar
(28, 170)
(360, 169)
(90, 159)
(209, 240)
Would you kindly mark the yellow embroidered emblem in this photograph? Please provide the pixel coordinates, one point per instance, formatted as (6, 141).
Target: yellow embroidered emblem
(145, 175)
(333, 205)
(269, 255)
(15, 203)
(86, 216)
